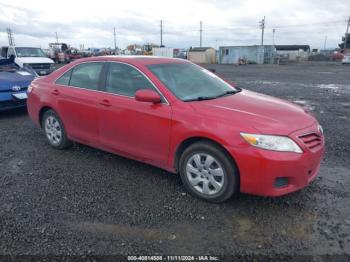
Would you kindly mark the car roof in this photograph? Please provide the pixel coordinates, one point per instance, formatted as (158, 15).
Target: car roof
(139, 59)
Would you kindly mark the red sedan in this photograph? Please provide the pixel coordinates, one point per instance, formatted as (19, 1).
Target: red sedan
(183, 118)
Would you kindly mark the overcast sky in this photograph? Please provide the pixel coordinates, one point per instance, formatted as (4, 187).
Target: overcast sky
(225, 22)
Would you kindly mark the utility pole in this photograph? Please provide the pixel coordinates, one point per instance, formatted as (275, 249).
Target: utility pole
(325, 43)
(347, 34)
(161, 33)
(262, 26)
(273, 36)
(200, 33)
(56, 37)
(115, 40)
(10, 37)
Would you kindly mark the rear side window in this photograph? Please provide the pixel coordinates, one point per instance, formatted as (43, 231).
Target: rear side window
(125, 80)
(64, 79)
(86, 75)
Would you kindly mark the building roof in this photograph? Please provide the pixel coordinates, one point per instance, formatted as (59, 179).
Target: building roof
(244, 46)
(292, 47)
(199, 49)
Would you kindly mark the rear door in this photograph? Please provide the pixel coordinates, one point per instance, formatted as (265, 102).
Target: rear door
(77, 93)
(137, 129)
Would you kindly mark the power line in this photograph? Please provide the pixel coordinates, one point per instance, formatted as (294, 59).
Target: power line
(326, 23)
(311, 24)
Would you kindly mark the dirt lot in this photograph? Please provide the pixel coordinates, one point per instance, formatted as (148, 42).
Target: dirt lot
(85, 201)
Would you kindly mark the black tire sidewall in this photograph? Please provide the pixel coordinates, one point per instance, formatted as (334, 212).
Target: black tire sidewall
(230, 171)
(64, 140)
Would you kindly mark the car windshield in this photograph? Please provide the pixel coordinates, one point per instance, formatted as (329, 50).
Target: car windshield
(29, 52)
(190, 82)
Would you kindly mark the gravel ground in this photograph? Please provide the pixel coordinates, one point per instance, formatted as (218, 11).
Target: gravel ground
(85, 201)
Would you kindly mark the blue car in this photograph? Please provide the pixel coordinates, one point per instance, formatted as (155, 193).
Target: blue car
(14, 82)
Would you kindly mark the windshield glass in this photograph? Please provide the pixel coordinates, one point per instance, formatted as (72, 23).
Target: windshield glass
(190, 82)
(29, 52)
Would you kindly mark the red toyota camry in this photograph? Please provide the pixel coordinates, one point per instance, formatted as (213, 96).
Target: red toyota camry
(183, 118)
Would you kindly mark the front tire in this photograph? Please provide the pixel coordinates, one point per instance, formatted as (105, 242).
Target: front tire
(208, 172)
(54, 130)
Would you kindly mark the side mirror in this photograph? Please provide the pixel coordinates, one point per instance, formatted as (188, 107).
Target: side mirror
(147, 95)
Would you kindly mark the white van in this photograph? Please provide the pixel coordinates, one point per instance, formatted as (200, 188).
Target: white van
(32, 57)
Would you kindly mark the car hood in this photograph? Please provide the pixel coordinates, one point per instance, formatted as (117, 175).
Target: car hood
(266, 114)
(35, 60)
(20, 78)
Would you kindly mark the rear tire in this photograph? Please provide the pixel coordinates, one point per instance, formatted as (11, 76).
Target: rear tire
(208, 172)
(54, 130)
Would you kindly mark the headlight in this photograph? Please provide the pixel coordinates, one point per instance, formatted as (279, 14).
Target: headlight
(320, 128)
(26, 66)
(52, 66)
(30, 89)
(269, 142)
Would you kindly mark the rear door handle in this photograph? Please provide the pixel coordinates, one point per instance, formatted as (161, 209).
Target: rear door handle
(106, 103)
(55, 92)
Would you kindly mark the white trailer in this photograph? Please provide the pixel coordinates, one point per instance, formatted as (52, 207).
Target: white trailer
(163, 51)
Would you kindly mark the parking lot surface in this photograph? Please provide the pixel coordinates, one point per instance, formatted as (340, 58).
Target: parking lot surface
(85, 201)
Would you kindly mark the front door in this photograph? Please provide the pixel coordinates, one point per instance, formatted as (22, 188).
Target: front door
(137, 129)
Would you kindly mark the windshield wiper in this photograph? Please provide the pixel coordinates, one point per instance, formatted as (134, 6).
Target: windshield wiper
(201, 98)
(229, 92)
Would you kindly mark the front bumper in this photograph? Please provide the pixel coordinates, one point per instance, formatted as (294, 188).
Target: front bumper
(261, 170)
(44, 72)
(8, 102)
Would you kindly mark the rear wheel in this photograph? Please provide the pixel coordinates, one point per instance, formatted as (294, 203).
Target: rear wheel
(54, 130)
(208, 172)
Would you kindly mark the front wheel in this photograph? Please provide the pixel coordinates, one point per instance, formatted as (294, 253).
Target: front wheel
(208, 172)
(54, 130)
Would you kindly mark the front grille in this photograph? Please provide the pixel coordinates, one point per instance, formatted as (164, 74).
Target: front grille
(40, 66)
(311, 140)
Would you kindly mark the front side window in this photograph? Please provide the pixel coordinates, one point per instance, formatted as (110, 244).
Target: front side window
(125, 80)
(29, 52)
(86, 75)
(191, 82)
(64, 79)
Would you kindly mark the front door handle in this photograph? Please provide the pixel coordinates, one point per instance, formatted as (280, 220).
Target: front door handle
(55, 92)
(106, 103)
